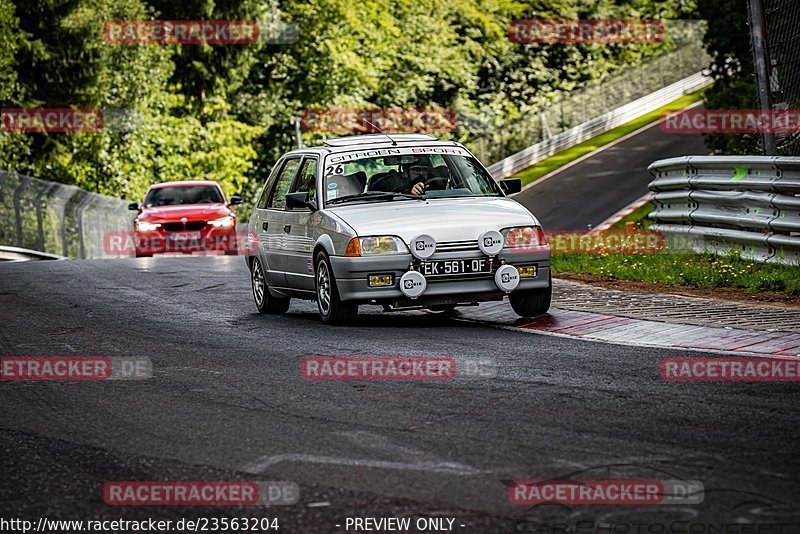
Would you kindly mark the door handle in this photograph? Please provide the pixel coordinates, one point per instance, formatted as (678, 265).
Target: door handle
(287, 228)
(265, 225)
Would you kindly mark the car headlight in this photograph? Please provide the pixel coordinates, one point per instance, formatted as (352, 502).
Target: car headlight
(145, 226)
(222, 222)
(370, 246)
(524, 236)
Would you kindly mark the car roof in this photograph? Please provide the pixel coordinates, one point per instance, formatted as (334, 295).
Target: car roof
(372, 141)
(184, 183)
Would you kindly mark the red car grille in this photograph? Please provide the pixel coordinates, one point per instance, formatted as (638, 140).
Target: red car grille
(180, 227)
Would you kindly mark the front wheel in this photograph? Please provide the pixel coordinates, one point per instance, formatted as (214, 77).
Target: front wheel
(532, 302)
(265, 302)
(331, 308)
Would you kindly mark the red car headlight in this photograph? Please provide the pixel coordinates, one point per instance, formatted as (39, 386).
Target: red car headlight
(222, 222)
(145, 226)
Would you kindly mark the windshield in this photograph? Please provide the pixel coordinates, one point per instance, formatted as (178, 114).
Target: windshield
(361, 176)
(185, 194)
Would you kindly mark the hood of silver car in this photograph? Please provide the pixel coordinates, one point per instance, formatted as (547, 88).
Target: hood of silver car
(451, 219)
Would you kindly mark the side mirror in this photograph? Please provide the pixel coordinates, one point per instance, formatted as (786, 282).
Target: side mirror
(511, 186)
(133, 206)
(300, 200)
(234, 200)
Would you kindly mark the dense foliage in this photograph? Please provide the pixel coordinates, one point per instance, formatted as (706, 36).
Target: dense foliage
(728, 41)
(226, 112)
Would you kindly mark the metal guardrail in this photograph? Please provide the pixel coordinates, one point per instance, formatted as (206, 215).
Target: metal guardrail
(580, 133)
(720, 204)
(23, 254)
(584, 113)
(58, 219)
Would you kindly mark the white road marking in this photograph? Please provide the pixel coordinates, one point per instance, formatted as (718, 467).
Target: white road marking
(416, 460)
(449, 468)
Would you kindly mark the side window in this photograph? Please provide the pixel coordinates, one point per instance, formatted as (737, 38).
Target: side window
(277, 200)
(307, 180)
(262, 200)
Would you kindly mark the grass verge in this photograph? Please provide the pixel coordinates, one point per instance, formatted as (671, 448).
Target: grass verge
(560, 159)
(703, 271)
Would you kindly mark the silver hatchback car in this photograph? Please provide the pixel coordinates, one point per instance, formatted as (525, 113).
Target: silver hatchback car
(405, 221)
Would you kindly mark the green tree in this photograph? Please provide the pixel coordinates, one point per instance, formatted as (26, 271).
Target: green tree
(15, 149)
(62, 60)
(206, 70)
(728, 41)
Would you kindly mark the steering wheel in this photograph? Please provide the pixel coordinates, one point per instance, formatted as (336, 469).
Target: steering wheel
(437, 182)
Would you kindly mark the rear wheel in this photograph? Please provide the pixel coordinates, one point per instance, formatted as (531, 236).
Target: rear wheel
(331, 309)
(532, 302)
(265, 302)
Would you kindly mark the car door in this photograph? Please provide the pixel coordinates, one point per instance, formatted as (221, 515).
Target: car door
(256, 228)
(299, 237)
(271, 219)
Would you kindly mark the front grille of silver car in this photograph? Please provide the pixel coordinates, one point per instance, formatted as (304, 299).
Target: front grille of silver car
(457, 246)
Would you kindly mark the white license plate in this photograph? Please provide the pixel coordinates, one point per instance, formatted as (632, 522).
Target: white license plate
(185, 236)
(455, 267)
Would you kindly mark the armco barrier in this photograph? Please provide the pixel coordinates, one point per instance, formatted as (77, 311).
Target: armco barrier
(608, 121)
(593, 110)
(58, 219)
(746, 204)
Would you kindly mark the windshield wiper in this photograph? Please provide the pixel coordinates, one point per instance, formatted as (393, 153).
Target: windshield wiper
(375, 195)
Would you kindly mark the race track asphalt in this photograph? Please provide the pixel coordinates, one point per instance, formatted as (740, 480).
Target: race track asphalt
(589, 192)
(227, 402)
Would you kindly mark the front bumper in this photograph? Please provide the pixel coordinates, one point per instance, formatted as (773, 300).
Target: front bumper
(209, 239)
(352, 273)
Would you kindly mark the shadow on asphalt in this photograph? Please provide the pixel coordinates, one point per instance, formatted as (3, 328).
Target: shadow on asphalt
(377, 319)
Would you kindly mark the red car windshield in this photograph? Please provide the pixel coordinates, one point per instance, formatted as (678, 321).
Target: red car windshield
(179, 195)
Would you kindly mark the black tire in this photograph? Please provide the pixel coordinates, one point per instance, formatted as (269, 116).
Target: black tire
(143, 255)
(532, 302)
(331, 309)
(265, 302)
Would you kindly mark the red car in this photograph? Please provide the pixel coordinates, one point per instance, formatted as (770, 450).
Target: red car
(185, 217)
